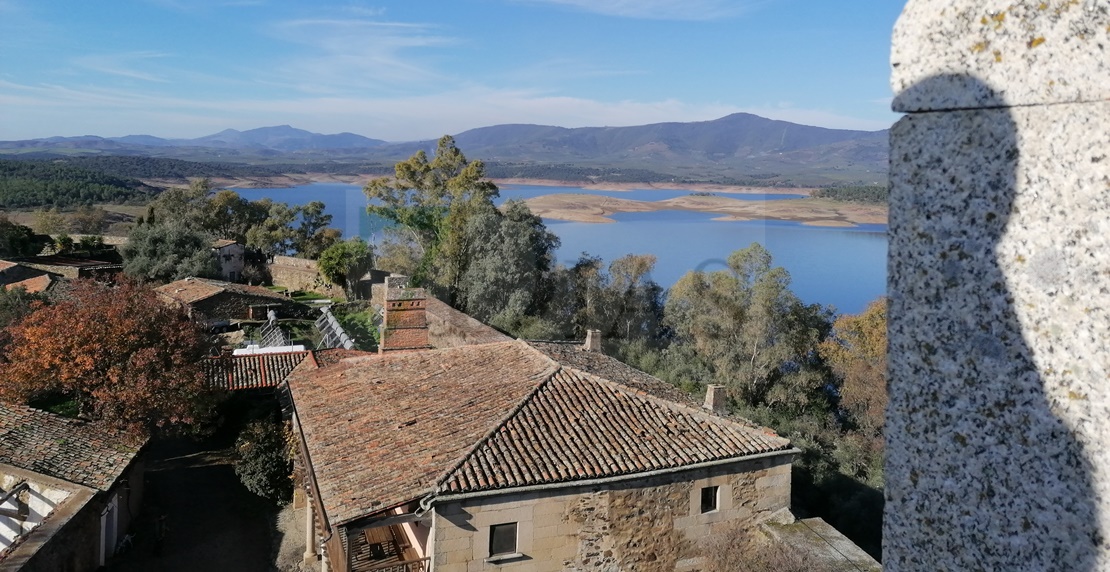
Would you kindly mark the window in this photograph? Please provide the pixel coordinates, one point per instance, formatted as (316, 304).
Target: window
(709, 497)
(502, 539)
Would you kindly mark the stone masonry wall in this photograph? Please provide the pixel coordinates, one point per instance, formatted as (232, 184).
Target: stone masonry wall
(645, 525)
(999, 281)
(301, 274)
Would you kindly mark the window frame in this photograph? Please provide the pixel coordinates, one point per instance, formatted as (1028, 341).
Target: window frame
(715, 491)
(513, 551)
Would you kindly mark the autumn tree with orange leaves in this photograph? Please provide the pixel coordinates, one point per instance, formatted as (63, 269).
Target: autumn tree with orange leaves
(856, 352)
(120, 353)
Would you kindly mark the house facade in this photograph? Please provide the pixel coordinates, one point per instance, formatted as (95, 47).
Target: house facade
(521, 455)
(69, 489)
(230, 259)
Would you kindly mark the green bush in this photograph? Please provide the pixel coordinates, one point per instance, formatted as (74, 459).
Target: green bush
(265, 463)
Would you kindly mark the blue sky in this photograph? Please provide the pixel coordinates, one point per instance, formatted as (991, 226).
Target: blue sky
(406, 70)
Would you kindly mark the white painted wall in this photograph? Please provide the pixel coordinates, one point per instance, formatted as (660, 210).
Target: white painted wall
(40, 499)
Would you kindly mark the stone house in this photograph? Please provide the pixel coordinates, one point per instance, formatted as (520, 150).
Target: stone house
(68, 266)
(230, 259)
(521, 456)
(216, 300)
(68, 490)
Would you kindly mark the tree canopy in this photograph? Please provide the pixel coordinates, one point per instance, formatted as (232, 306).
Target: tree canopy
(434, 201)
(343, 263)
(17, 240)
(748, 325)
(167, 252)
(121, 353)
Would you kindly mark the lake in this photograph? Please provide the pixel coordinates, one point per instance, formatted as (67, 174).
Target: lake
(844, 267)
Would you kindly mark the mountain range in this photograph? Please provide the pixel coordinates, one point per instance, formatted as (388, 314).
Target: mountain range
(739, 146)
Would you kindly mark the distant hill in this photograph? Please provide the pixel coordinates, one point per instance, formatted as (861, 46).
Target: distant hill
(283, 138)
(737, 149)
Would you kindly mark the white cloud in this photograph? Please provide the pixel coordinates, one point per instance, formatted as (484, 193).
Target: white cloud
(347, 55)
(123, 65)
(657, 9)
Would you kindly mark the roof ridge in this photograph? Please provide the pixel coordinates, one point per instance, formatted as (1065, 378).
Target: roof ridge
(699, 412)
(546, 375)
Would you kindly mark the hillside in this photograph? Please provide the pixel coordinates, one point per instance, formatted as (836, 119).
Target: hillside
(736, 149)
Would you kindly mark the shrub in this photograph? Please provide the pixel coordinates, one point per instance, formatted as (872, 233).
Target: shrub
(265, 463)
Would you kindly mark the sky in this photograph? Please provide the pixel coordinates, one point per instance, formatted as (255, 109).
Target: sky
(417, 69)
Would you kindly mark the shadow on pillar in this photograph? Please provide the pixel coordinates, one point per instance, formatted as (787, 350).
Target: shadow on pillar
(981, 473)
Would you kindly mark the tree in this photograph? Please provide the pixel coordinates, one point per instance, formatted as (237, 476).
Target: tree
(856, 353)
(88, 220)
(180, 204)
(511, 253)
(168, 251)
(227, 215)
(265, 461)
(122, 354)
(16, 239)
(434, 200)
(750, 327)
(345, 262)
(274, 235)
(49, 222)
(397, 252)
(313, 236)
(63, 244)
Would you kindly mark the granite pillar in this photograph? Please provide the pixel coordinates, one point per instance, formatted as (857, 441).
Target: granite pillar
(998, 427)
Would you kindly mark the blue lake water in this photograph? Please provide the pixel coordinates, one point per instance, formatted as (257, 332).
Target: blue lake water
(844, 267)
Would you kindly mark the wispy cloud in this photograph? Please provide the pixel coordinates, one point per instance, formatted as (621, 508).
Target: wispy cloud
(358, 54)
(657, 9)
(122, 65)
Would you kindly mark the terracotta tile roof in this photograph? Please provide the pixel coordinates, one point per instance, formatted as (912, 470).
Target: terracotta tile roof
(385, 429)
(192, 290)
(33, 285)
(80, 452)
(12, 272)
(598, 363)
(189, 290)
(448, 327)
(331, 356)
(222, 243)
(582, 427)
(251, 371)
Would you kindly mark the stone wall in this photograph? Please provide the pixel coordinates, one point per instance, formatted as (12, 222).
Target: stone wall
(644, 525)
(238, 306)
(302, 274)
(997, 428)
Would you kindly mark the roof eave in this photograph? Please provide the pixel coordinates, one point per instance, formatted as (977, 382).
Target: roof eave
(442, 498)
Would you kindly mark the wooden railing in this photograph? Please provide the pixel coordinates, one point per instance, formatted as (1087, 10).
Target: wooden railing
(420, 565)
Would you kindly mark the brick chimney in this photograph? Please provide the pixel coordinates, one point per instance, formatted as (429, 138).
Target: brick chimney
(593, 341)
(405, 324)
(715, 398)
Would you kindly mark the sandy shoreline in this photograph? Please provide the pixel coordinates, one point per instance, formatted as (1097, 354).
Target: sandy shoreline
(699, 187)
(809, 211)
(598, 209)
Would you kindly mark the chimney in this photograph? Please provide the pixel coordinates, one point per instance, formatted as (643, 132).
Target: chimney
(715, 398)
(405, 324)
(593, 341)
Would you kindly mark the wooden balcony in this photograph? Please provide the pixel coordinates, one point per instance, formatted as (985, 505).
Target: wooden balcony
(384, 549)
